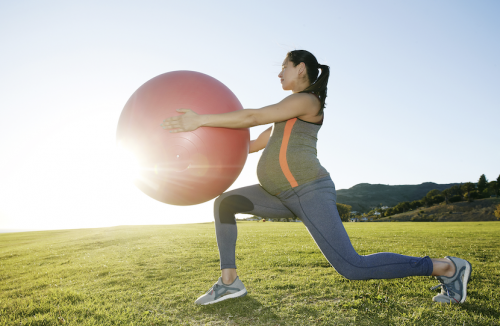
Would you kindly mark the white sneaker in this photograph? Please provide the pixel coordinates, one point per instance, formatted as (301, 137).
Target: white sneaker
(454, 288)
(220, 292)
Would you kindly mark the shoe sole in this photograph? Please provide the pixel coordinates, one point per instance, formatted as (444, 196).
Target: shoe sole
(241, 293)
(468, 271)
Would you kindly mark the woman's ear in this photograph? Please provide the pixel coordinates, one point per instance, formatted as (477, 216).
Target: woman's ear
(302, 68)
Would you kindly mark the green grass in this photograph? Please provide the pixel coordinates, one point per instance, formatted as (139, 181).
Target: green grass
(151, 275)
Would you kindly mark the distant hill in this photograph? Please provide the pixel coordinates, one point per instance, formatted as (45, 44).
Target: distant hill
(364, 196)
(478, 210)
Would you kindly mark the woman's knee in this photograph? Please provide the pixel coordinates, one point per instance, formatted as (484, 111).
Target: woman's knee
(219, 199)
(229, 204)
(353, 275)
(351, 271)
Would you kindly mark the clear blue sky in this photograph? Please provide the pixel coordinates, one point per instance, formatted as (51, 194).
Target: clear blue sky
(413, 93)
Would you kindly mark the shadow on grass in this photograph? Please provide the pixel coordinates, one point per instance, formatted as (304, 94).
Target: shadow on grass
(247, 308)
(480, 308)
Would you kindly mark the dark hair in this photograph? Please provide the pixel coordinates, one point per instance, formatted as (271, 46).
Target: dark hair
(318, 84)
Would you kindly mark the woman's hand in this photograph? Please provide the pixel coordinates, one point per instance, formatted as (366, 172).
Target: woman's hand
(189, 121)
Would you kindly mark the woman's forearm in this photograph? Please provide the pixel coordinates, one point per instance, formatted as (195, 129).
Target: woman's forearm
(261, 141)
(236, 119)
(253, 148)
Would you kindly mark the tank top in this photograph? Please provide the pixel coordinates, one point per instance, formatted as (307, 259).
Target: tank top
(290, 157)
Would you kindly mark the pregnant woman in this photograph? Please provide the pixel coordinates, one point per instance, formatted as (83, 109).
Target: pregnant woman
(292, 183)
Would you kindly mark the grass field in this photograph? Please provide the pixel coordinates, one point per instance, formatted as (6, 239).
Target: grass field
(151, 275)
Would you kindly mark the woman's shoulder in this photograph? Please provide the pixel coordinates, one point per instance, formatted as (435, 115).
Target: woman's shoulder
(309, 100)
(313, 102)
(305, 97)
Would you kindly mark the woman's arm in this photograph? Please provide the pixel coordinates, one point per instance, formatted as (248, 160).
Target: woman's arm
(261, 141)
(292, 106)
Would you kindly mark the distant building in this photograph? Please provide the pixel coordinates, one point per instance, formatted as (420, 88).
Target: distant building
(252, 218)
(363, 219)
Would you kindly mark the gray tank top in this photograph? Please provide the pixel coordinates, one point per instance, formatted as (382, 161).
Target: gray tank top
(290, 157)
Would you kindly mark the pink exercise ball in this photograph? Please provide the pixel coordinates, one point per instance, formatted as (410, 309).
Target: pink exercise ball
(185, 168)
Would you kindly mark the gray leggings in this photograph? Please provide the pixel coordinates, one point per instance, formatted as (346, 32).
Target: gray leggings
(315, 204)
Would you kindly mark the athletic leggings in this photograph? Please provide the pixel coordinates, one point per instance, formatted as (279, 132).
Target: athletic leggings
(315, 204)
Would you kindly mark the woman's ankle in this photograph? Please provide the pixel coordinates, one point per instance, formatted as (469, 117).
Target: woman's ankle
(228, 275)
(443, 267)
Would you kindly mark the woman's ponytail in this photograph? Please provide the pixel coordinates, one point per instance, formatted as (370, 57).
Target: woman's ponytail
(318, 83)
(319, 87)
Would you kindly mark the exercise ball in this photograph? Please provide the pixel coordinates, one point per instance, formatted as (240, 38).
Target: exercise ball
(185, 168)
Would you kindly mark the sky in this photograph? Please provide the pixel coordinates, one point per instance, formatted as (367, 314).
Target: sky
(412, 97)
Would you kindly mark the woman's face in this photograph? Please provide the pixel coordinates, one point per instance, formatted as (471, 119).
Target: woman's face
(288, 75)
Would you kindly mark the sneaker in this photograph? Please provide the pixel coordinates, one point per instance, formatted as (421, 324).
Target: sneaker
(454, 289)
(221, 291)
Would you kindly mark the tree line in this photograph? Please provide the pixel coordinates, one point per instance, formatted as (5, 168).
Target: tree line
(463, 192)
(344, 211)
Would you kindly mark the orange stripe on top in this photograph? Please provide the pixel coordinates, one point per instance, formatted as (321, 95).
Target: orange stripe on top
(284, 145)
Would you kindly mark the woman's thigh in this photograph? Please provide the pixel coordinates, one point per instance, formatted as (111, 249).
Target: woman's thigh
(317, 208)
(315, 204)
(249, 200)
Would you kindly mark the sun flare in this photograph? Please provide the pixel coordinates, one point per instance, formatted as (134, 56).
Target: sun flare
(127, 163)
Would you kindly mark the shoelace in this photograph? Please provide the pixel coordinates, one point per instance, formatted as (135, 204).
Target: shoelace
(214, 288)
(444, 287)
